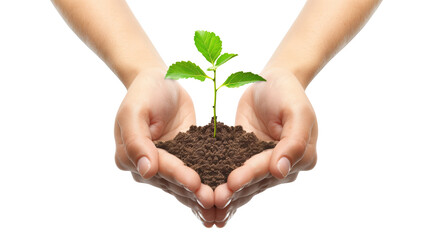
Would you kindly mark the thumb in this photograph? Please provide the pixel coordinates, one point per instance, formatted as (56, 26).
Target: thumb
(137, 140)
(291, 147)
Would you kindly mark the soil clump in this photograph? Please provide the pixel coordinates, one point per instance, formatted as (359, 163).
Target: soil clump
(214, 158)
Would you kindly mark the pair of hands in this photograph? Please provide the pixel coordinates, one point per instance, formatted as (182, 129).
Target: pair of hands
(155, 109)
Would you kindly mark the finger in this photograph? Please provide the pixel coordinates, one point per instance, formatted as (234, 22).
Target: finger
(208, 225)
(121, 158)
(240, 202)
(260, 186)
(205, 196)
(308, 161)
(292, 146)
(221, 224)
(222, 214)
(226, 218)
(230, 210)
(205, 215)
(253, 170)
(222, 196)
(136, 138)
(173, 188)
(122, 161)
(174, 170)
(310, 157)
(200, 216)
(169, 187)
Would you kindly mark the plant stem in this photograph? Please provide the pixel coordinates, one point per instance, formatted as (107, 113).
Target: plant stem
(214, 105)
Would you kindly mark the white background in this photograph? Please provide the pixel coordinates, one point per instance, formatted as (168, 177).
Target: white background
(58, 101)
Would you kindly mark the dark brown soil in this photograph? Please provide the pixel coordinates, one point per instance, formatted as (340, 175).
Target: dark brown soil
(215, 158)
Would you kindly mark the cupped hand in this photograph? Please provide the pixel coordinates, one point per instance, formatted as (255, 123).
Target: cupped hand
(156, 109)
(276, 110)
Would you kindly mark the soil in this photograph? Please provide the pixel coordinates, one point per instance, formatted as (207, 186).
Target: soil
(215, 158)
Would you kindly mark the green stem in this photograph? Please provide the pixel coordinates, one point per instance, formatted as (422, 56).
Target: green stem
(214, 105)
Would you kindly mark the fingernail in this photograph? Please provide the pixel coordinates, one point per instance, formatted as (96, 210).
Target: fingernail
(201, 216)
(230, 216)
(187, 189)
(143, 166)
(199, 203)
(283, 165)
(239, 190)
(227, 203)
(242, 187)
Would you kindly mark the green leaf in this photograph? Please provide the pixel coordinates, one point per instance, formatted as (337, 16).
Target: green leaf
(239, 79)
(185, 70)
(208, 44)
(224, 58)
(221, 60)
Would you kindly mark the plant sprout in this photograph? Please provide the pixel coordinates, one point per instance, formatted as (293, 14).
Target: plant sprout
(210, 46)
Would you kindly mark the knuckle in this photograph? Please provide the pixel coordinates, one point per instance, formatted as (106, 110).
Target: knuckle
(304, 110)
(308, 110)
(130, 140)
(129, 111)
(308, 161)
(131, 143)
(125, 110)
(298, 146)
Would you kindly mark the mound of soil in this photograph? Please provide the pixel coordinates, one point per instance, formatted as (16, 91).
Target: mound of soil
(214, 158)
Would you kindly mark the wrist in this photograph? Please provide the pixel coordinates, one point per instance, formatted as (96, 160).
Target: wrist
(283, 74)
(303, 66)
(148, 73)
(145, 75)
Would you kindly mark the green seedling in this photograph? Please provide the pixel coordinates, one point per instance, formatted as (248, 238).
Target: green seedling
(210, 46)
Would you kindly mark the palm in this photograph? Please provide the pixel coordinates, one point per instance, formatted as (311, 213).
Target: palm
(277, 110)
(153, 110)
(249, 119)
(259, 112)
(170, 109)
(172, 115)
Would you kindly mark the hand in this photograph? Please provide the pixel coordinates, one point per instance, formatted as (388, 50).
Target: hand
(157, 109)
(277, 110)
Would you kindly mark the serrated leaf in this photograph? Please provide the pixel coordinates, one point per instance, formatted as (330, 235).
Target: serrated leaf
(208, 44)
(185, 70)
(221, 60)
(239, 79)
(224, 58)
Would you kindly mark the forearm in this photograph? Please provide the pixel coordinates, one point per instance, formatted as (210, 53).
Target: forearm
(320, 31)
(110, 29)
